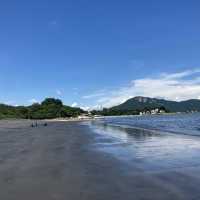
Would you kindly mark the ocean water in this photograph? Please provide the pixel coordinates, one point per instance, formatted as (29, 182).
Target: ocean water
(154, 142)
(188, 124)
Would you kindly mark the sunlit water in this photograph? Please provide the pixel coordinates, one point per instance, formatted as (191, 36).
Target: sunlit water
(160, 142)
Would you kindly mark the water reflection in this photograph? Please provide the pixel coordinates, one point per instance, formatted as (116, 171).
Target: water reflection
(149, 149)
(176, 123)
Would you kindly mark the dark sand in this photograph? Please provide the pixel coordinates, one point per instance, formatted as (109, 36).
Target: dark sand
(58, 162)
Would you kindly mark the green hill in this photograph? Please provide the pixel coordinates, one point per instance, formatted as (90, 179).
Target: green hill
(50, 108)
(140, 103)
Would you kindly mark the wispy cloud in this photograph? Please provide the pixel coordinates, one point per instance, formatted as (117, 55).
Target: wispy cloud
(86, 108)
(33, 101)
(175, 86)
(74, 104)
(95, 94)
(11, 103)
(180, 74)
(59, 92)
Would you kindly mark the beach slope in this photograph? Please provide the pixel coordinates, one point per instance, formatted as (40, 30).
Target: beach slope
(57, 162)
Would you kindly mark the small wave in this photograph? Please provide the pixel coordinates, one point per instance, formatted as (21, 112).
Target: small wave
(148, 131)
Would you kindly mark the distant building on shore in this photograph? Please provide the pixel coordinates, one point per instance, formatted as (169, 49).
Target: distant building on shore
(153, 111)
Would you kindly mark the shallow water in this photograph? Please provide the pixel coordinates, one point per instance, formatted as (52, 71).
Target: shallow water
(177, 123)
(151, 142)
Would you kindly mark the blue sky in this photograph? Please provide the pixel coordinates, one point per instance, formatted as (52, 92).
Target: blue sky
(94, 53)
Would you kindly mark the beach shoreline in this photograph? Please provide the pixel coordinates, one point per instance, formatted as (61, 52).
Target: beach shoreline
(60, 161)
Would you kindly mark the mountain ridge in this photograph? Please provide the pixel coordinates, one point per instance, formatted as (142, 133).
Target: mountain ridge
(140, 103)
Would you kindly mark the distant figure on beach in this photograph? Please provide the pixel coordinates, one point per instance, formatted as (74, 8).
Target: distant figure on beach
(34, 124)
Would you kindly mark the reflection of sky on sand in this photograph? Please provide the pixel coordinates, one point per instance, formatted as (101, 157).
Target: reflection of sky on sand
(149, 150)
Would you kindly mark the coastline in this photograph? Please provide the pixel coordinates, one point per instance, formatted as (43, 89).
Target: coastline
(63, 160)
(93, 117)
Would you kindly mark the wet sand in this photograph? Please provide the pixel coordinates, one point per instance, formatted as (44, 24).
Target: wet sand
(61, 162)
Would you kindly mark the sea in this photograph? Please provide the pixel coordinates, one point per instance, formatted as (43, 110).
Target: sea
(152, 142)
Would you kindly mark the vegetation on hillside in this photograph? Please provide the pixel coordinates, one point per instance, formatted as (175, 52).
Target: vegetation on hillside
(113, 112)
(50, 108)
(140, 103)
(53, 108)
(118, 112)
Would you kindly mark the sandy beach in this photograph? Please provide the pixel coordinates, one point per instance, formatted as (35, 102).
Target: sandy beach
(60, 162)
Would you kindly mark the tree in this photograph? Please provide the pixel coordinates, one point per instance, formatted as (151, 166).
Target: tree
(52, 101)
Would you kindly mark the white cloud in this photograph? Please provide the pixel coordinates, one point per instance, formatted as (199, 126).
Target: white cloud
(11, 103)
(59, 92)
(74, 104)
(94, 95)
(180, 74)
(33, 101)
(87, 108)
(176, 86)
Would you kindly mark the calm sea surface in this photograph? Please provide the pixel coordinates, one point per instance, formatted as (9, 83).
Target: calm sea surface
(159, 142)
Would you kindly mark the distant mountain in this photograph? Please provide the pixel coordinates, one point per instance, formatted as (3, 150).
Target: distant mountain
(140, 103)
